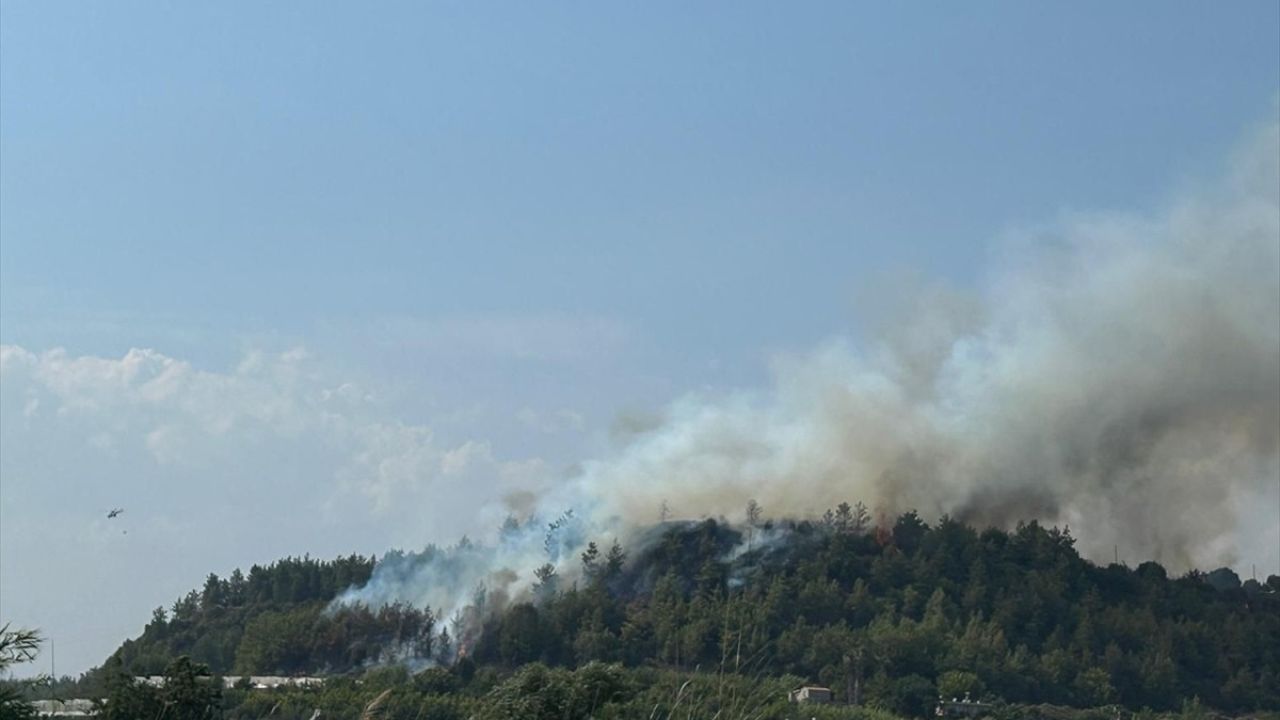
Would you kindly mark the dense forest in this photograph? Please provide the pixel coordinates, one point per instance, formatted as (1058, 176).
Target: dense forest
(888, 615)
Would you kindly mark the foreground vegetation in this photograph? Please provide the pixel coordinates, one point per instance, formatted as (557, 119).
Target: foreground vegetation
(594, 691)
(710, 620)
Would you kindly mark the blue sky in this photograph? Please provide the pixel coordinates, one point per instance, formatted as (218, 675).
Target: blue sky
(519, 227)
(239, 169)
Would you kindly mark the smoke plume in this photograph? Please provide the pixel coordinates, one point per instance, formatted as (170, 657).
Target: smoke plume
(1116, 373)
(1122, 376)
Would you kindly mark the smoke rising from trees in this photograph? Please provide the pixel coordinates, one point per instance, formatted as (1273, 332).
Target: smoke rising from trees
(1121, 377)
(1118, 374)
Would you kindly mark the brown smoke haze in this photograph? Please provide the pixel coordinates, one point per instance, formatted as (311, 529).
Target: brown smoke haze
(1119, 374)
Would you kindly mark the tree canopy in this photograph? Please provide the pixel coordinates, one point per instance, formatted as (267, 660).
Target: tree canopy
(889, 615)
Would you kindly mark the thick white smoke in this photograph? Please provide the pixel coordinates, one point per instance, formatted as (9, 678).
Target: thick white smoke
(1125, 380)
(1118, 373)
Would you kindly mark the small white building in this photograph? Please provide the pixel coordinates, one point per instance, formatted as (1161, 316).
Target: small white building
(810, 694)
(64, 708)
(270, 682)
(965, 708)
(255, 682)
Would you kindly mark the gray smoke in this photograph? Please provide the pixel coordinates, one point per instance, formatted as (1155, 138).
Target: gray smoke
(1119, 374)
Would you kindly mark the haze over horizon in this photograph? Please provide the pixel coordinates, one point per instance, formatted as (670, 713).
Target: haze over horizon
(284, 281)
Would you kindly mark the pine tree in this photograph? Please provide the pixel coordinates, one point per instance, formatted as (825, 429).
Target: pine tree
(614, 561)
(591, 562)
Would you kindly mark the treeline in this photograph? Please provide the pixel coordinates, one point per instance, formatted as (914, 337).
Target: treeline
(896, 615)
(274, 619)
(464, 691)
(889, 616)
(594, 691)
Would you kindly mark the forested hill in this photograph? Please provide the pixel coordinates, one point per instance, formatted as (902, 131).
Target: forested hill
(219, 624)
(893, 615)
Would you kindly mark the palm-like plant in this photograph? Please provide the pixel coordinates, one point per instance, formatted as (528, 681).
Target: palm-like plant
(16, 647)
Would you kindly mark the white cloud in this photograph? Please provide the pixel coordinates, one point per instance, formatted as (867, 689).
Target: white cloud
(215, 470)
